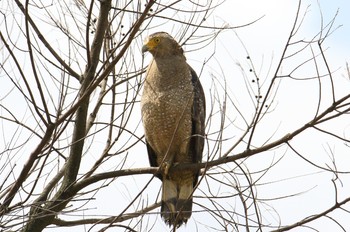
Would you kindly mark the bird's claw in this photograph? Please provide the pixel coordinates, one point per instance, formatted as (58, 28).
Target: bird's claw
(166, 168)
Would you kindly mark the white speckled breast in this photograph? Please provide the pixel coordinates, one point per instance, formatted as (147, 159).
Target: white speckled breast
(166, 106)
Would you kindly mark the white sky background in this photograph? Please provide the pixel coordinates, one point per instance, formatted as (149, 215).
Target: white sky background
(265, 40)
(293, 107)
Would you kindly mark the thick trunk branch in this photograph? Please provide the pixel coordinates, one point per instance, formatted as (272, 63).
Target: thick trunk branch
(42, 215)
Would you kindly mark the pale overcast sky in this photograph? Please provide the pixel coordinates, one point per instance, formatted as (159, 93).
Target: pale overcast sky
(294, 105)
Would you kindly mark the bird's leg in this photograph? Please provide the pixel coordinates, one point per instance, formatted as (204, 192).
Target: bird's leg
(168, 164)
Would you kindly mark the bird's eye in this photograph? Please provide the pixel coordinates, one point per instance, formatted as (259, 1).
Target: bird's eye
(157, 40)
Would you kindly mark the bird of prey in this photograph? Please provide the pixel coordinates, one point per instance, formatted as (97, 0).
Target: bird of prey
(173, 115)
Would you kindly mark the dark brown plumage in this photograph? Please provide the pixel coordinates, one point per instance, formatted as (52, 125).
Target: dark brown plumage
(173, 114)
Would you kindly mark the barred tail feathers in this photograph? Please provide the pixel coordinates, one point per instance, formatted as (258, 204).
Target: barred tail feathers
(177, 201)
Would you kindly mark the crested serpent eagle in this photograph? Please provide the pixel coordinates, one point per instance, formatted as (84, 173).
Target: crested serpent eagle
(173, 115)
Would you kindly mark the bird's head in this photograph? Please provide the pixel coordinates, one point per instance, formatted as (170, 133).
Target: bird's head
(161, 44)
